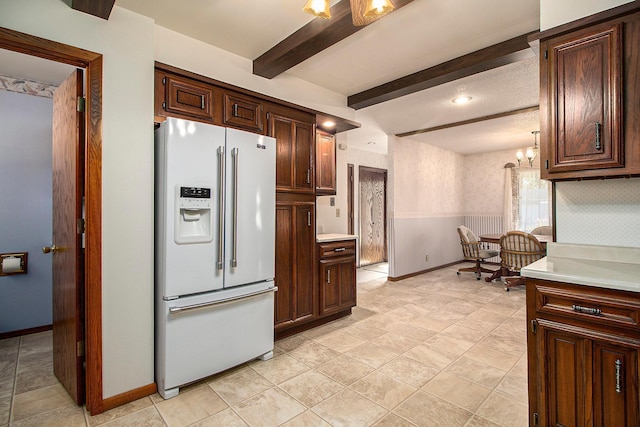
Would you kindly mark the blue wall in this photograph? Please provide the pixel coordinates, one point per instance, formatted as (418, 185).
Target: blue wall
(25, 208)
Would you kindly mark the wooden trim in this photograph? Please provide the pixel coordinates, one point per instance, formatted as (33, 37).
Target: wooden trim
(587, 21)
(92, 62)
(100, 8)
(470, 121)
(428, 270)
(28, 331)
(503, 53)
(309, 40)
(350, 201)
(129, 396)
(283, 333)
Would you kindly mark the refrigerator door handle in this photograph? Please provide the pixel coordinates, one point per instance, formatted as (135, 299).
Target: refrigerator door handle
(174, 310)
(221, 186)
(234, 257)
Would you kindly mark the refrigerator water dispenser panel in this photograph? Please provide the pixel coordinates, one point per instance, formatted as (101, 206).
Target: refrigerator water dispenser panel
(194, 222)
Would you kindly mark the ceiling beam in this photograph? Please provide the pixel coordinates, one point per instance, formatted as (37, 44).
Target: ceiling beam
(507, 52)
(470, 121)
(100, 8)
(309, 40)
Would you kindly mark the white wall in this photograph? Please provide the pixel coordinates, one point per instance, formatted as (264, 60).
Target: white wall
(554, 13)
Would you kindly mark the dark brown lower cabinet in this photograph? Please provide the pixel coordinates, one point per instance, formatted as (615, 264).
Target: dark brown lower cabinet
(337, 276)
(295, 300)
(583, 354)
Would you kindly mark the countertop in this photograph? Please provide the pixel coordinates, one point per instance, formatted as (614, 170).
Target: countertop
(601, 266)
(332, 237)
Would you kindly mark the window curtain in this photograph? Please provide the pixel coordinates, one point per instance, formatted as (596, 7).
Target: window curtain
(529, 206)
(508, 213)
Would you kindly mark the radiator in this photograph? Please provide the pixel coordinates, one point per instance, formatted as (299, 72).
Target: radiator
(486, 224)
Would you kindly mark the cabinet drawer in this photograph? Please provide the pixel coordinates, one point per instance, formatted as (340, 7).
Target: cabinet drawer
(183, 98)
(604, 307)
(333, 249)
(243, 113)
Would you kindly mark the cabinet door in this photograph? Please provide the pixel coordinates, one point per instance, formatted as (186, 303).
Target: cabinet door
(187, 99)
(585, 99)
(285, 275)
(348, 283)
(564, 362)
(325, 163)
(243, 112)
(304, 260)
(615, 385)
(337, 284)
(294, 156)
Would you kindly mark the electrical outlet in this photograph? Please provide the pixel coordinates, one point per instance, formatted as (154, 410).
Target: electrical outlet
(332, 201)
(337, 212)
(426, 258)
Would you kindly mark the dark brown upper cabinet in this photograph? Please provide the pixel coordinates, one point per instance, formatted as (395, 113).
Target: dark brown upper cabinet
(243, 112)
(325, 163)
(183, 98)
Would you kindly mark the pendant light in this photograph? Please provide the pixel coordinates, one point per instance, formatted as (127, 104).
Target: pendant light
(320, 8)
(532, 152)
(378, 7)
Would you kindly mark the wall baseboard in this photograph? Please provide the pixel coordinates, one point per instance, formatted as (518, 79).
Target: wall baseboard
(128, 396)
(27, 331)
(417, 273)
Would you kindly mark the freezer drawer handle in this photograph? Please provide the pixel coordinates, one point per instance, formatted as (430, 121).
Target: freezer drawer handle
(174, 310)
(220, 263)
(234, 258)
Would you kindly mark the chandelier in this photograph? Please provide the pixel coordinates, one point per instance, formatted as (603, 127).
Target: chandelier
(532, 152)
(363, 12)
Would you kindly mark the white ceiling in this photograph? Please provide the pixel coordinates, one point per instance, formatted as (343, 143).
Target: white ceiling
(422, 34)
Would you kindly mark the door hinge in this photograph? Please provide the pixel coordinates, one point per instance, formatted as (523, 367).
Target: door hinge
(164, 80)
(81, 104)
(534, 326)
(546, 164)
(80, 226)
(535, 418)
(80, 348)
(546, 54)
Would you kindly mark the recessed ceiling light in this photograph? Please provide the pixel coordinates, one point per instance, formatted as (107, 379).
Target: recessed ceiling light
(462, 99)
(328, 124)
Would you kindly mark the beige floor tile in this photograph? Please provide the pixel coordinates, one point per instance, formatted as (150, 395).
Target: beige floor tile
(477, 421)
(505, 344)
(292, 342)
(5, 410)
(314, 354)
(34, 378)
(429, 411)
(348, 408)
(504, 411)
(306, 419)
(431, 323)
(190, 406)
(447, 345)
(9, 348)
(514, 385)
(486, 354)
(413, 332)
(120, 411)
(365, 332)
(462, 332)
(372, 354)
(458, 391)
(280, 369)
(409, 371)
(240, 385)
(226, 418)
(383, 389)
(36, 343)
(38, 401)
(340, 341)
(71, 415)
(270, 408)
(430, 356)
(345, 370)
(392, 420)
(477, 372)
(148, 417)
(311, 388)
(395, 342)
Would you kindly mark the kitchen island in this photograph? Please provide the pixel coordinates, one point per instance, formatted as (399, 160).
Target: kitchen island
(583, 336)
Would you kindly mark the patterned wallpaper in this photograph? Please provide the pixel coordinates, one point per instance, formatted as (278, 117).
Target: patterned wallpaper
(28, 87)
(599, 212)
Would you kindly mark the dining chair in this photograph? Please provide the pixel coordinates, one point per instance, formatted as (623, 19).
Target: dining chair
(544, 230)
(472, 251)
(518, 249)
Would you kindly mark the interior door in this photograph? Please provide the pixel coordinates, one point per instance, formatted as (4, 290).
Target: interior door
(373, 224)
(67, 250)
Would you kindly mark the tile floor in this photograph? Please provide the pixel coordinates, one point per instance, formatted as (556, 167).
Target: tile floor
(432, 350)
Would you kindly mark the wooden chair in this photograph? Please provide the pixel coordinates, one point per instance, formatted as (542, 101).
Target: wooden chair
(518, 249)
(473, 252)
(544, 230)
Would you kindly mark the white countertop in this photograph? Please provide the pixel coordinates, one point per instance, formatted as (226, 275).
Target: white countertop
(333, 237)
(601, 266)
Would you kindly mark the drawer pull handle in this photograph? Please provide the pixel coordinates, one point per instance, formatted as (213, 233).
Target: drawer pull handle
(329, 277)
(340, 249)
(598, 136)
(588, 310)
(618, 364)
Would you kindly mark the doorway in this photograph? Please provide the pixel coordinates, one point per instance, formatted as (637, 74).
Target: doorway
(89, 270)
(373, 215)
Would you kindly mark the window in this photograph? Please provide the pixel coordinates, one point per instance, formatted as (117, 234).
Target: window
(530, 200)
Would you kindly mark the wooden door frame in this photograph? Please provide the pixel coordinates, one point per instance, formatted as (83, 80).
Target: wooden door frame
(92, 63)
(384, 172)
(350, 213)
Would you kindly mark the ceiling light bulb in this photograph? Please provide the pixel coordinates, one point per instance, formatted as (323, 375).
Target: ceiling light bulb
(320, 8)
(328, 124)
(378, 7)
(462, 99)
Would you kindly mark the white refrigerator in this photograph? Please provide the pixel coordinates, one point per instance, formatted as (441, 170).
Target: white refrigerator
(214, 250)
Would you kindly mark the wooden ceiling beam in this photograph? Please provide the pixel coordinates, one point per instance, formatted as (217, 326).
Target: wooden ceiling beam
(100, 8)
(507, 52)
(470, 121)
(309, 40)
